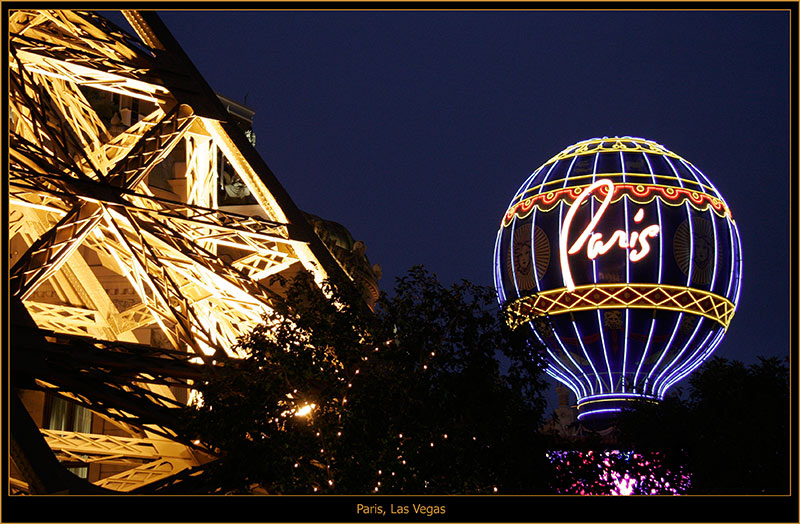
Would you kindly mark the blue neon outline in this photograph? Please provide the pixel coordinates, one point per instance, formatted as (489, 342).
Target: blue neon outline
(682, 365)
(694, 362)
(611, 387)
(620, 396)
(559, 379)
(533, 251)
(731, 228)
(498, 261)
(598, 379)
(511, 254)
(677, 368)
(556, 360)
(522, 193)
(692, 168)
(533, 226)
(663, 354)
(579, 368)
(519, 195)
(688, 363)
(660, 267)
(658, 379)
(627, 276)
(498, 275)
(644, 354)
(558, 339)
(688, 285)
(607, 410)
(733, 258)
(707, 353)
(691, 244)
(739, 268)
(716, 249)
(689, 222)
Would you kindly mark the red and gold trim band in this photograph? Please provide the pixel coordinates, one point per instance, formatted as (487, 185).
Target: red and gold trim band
(639, 193)
(620, 296)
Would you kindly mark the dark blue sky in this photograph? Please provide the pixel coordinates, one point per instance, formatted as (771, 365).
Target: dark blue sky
(414, 129)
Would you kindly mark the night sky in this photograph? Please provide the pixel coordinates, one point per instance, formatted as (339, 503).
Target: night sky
(415, 129)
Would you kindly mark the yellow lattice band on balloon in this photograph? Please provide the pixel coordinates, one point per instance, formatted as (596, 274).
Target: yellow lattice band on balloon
(638, 193)
(620, 296)
(614, 145)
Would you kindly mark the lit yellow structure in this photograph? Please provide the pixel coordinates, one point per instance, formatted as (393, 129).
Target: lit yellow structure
(144, 229)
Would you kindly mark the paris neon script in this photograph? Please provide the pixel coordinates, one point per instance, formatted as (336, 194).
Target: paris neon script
(595, 245)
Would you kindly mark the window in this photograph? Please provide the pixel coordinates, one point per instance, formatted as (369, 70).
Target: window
(62, 415)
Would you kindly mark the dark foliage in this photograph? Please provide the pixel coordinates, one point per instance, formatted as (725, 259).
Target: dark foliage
(408, 399)
(732, 429)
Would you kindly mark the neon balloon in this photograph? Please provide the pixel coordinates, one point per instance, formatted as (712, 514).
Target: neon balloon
(646, 277)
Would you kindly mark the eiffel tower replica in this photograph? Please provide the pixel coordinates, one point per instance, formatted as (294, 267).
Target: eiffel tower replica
(144, 232)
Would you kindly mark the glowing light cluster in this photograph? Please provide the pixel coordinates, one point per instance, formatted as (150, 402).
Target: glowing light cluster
(624, 262)
(616, 473)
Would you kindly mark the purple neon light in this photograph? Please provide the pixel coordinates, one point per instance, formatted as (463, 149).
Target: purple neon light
(678, 356)
(694, 365)
(580, 371)
(498, 276)
(644, 354)
(521, 192)
(627, 277)
(565, 380)
(612, 396)
(594, 276)
(739, 269)
(588, 358)
(550, 371)
(663, 353)
(660, 268)
(697, 172)
(558, 339)
(713, 220)
(595, 412)
(663, 374)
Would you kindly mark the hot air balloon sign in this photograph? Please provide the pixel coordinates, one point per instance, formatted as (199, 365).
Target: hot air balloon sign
(624, 261)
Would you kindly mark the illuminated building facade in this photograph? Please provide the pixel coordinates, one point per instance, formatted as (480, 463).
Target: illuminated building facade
(144, 230)
(624, 261)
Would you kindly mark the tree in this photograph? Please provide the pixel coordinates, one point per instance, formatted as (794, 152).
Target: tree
(731, 429)
(409, 399)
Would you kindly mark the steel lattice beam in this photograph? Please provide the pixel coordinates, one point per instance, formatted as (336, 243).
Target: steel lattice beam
(95, 203)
